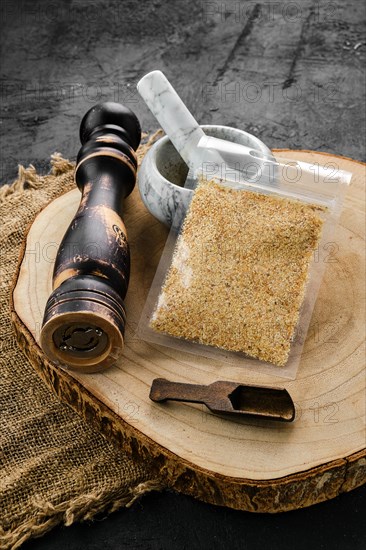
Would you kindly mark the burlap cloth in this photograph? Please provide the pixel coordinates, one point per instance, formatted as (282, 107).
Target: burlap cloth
(54, 467)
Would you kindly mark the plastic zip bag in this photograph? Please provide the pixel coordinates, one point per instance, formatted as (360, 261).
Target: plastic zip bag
(239, 279)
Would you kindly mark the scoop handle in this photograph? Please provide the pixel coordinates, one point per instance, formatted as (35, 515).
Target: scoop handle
(162, 390)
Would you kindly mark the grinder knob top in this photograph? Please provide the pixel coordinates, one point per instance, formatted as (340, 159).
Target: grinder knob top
(115, 118)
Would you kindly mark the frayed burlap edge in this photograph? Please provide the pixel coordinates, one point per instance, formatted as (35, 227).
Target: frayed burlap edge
(29, 179)
(83, 508)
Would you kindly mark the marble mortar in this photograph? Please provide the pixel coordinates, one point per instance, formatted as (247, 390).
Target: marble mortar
(162, 173)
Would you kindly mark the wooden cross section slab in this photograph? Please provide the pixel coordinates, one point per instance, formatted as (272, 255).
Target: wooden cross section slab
(245, 464)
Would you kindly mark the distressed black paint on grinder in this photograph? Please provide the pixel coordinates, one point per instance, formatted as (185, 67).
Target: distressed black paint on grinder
(84, 320)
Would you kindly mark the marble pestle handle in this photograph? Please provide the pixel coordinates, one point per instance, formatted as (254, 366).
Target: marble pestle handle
(173, 116)
(178, 123)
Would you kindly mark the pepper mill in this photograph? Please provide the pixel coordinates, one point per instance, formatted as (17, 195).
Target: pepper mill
(84, 319)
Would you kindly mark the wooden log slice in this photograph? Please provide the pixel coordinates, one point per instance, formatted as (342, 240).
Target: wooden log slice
(245, 464)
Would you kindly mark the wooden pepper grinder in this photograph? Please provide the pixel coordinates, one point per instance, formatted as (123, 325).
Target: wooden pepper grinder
(84, 320)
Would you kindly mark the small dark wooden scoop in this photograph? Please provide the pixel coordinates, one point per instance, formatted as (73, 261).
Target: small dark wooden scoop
(229, 398)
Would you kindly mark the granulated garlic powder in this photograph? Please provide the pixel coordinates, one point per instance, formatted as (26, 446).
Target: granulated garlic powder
(239, 271)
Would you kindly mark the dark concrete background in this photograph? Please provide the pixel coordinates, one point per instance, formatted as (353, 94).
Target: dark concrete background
(289, 72)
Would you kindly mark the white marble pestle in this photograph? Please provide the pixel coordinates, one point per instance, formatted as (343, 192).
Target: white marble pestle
(199, 151)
